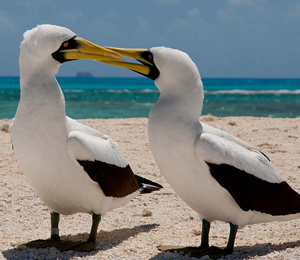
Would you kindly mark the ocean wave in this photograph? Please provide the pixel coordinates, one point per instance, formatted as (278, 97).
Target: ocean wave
(117, 91)
(131, 90)
(253, 92)
(73, 90)
(207, 92)
(148, 91)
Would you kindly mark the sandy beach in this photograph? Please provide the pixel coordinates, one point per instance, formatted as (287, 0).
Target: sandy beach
(135, 230)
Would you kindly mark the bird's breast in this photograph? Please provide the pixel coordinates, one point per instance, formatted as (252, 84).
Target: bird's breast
(174, 152)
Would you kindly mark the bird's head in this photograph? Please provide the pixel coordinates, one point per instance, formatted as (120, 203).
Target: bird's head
(171, 69)
(52, 45)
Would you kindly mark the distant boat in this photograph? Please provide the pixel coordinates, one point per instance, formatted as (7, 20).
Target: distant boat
(84, 75)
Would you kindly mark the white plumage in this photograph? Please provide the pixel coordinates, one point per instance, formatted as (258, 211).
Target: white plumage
(66, 163)
(84, 143)
(45, 140)
(218, 175)
(218, 150)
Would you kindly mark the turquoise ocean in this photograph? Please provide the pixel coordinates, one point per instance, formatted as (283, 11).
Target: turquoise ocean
(134, 97)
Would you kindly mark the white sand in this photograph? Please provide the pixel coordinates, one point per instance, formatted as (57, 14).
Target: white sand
(125, 233)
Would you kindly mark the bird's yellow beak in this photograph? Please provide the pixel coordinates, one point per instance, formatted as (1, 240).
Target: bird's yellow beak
(144, 56)
(79, 48)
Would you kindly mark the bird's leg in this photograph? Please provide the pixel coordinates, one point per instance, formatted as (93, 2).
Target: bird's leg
(205, 234)
(204, 242)
(93, 233)
(215, 252)
(54, 226)
(87, 246)
(53, 241)
(204, 249)
(231, 239)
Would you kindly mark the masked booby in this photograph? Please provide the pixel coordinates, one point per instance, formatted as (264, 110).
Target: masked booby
(216, 174)
(72, 167)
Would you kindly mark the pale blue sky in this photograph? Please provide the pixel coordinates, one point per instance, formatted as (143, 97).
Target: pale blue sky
(225, 38)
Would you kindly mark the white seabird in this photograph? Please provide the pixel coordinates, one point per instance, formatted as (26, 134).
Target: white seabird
(216, 174)
(72, 167)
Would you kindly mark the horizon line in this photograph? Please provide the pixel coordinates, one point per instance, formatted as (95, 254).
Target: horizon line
(137, 77)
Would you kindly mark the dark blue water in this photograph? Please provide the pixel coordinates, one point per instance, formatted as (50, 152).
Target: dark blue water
(134, 97)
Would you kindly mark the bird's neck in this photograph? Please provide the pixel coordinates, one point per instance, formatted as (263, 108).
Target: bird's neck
(41, 97)
(32, 65)
(180, 102)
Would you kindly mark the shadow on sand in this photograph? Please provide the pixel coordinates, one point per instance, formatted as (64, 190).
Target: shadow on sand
(105, 240)
(240, 252)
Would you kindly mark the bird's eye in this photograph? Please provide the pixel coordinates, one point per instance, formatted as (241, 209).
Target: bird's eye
(65, 44)
(150, 56)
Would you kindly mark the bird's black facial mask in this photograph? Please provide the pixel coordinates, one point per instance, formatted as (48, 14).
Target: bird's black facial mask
(59, 55)
(145, 57)
(147, 60)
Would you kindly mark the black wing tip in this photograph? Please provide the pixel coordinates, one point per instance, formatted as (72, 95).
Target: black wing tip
(155, 185)
(142, 180)
(148, 189)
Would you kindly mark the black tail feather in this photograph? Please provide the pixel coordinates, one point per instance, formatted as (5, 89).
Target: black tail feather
(143, 180)
(146, 188)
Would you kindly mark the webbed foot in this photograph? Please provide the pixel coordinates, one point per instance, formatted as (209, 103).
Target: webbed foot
(215, 252)
(41, 243)
(180, 248)
(76, 246)
(198, 252)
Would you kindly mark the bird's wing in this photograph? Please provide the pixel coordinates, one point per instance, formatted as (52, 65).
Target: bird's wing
(247, 175)
(99, 146)
(217, 132)
(100, 158)
(74, 125)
